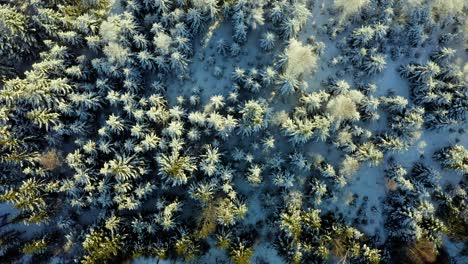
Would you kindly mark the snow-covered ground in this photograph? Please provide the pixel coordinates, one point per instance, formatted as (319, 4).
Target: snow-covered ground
(360, 202)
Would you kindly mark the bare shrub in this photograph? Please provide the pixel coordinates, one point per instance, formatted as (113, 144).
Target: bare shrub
(51, 159)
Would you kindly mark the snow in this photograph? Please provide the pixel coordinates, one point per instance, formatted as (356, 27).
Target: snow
(264, 253)
(368, 183)
(455, 249)
(28, 230)
(202, 73)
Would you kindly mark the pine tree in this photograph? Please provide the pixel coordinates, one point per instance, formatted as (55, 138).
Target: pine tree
(202, 191)
(241, 254)
(254, 117)
(123, 168)
(187, 247)
(178, 63)
(267, 43)
(254, 174)
(166, 216)
(146, 60)
(194, 19)
(222, 47)
(240, 33)
(210, 161)
(369, 151)
(117, 54)
(374, 64)
(368, 108)
(100, 247)
(115, 123)
(391, 143)
(176, 168)
(268, 76)
(313, 101)
(362, 36)
(43, 117)
(17, 40)
(228, 211)
(453, 157)
(288, 84)
(30, 197)
(394, 104)
(35, 247)
(223, 239)
(443, 55)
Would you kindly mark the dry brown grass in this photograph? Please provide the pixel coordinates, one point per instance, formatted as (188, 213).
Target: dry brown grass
(457, 228)
(392, 185)
(338, 247)
(420, 252)
(51, 159)
(207, 220)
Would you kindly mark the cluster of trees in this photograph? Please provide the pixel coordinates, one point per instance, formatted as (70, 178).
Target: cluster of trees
(306, 235)
(439, 87)
(27, 26)
(93, 153)
(453, 157)
(452, 205)
(363, 51)
(419, 212)
(40, 109)
(51, 102)
(288, 17)
(411, 213)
